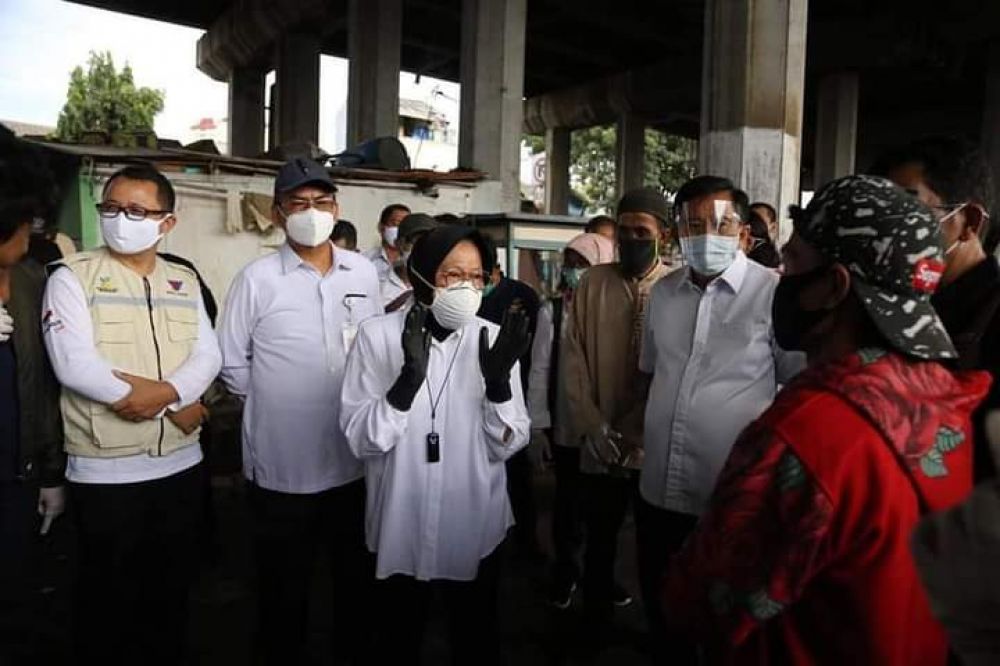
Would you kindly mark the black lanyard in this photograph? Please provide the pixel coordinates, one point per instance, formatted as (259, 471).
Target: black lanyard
(433, 440)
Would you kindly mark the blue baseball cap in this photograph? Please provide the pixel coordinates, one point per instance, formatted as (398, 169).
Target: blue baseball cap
(301, 171)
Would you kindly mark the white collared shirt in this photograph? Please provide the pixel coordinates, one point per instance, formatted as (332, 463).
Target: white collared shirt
(432, 520)
(80, 368)
(715, 367)
(390, 284)
(285, 334)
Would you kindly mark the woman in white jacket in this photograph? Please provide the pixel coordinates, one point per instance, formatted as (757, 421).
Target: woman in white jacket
(432, 404)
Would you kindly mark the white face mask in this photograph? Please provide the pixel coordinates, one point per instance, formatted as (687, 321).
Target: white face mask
(390, 234)
(309, 227)
(710, 254)
(456, 306)
(126, 236)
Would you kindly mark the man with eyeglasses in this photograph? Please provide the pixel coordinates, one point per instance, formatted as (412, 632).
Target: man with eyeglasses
(951, 176)
(709, 345)
(289, 322)
(131, 344)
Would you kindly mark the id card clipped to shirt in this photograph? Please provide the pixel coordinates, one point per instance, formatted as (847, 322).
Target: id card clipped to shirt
(349, 331)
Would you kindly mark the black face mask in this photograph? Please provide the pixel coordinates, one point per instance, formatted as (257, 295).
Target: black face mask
(636, 256)
(791, 322)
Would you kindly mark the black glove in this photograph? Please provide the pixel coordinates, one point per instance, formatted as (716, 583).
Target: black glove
(416, 351)
(496, 362)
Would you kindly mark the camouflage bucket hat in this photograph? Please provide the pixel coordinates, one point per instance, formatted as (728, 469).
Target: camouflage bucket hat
(890, 244)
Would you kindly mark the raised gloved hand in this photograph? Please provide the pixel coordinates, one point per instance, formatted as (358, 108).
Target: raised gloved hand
(416, 340)
(6, 324)
(496, 362)
(605, 445)
(51, 504)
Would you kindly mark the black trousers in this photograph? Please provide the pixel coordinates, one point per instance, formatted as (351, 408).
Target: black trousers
(659, 535)
(521, 490)
(403, 603)
(138, 554)
(290, 532)
(567, 521)
(605, 502)
(19, 524)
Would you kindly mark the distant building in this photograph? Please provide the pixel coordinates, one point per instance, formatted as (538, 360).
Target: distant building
(27, 129)
(215, 129)
(428, 134)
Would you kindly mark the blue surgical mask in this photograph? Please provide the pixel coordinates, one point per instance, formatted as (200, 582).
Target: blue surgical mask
(709, 254)
(571, 276)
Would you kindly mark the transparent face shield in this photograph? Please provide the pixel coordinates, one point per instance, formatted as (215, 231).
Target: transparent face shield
(708, 218)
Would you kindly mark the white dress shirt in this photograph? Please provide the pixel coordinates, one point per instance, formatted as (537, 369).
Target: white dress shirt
(431, 520)
(69, 339)
(715, 367)
(390, 284)
(285, 334)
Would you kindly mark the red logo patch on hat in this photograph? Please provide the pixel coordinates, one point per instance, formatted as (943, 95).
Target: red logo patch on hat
(927, 275)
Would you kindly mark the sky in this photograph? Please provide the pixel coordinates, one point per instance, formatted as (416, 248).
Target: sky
(41, 41)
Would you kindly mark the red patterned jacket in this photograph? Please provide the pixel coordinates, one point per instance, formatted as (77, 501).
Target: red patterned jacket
(803, 555)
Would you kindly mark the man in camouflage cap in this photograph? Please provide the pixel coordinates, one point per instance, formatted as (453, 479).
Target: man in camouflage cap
(803, 554)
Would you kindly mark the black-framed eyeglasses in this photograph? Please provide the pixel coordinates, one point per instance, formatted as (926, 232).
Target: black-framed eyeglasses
(941, 211)
(326, 204)
(109, 210)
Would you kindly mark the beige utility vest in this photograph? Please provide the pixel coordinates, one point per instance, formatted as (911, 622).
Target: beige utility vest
(145, 326)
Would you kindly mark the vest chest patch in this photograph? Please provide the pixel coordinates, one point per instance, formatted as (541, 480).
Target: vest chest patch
(177, 288)
(106, 285)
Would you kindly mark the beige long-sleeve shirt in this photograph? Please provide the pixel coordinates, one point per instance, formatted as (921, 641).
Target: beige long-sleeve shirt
(601, 358)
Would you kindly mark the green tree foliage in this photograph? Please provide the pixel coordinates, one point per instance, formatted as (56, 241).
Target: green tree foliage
(103, 99)
(670, 161)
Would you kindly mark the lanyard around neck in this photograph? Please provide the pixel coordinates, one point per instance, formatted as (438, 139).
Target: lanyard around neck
(435, 402)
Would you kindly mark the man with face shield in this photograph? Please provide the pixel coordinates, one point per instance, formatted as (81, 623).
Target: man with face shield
(289, 322)
(606, 393)
(131, 343)
(432, 404)
(710, 347)
(803, 554)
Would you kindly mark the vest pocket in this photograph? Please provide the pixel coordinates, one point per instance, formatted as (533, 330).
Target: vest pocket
(182, 323)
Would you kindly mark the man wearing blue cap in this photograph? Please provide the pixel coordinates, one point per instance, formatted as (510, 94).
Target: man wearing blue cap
(289, 323)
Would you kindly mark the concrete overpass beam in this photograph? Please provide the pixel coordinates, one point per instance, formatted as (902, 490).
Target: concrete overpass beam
(836, 127)
(557, 154)
(752, 90)
(246, 112)
(374, 35)
(492, 77)
(630, 153)
(297, 84)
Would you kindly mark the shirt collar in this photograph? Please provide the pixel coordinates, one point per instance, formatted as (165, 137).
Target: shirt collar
(290, 260)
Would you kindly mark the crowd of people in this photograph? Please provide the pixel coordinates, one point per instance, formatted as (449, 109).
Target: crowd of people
(796, 432)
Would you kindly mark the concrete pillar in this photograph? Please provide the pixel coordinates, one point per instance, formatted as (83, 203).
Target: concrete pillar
(836, 127)
(297, 81)
(752, 89)
(991, 123)
(630, 153)
(374, 35)
(246, 112)
(557, 150)
(492, 77)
